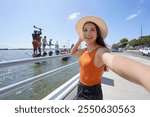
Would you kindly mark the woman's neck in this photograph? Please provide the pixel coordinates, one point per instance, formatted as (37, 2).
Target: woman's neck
(91, 46)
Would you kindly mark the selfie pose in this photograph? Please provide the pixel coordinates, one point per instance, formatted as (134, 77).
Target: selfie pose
(95, 59)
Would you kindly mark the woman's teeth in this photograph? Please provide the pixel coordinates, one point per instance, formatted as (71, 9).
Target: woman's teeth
(88, 37)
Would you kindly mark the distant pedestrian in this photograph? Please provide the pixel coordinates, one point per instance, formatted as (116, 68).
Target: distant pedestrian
(57, 50)
(39, 41)
(35, 42)
(56, 46)
(44, 43)
(50, 44)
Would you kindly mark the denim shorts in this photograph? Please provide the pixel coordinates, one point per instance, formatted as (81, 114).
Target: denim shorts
(89, 92)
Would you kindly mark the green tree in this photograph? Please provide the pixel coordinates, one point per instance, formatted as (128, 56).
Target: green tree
(123, 42)
(144, 41)
(133, 42)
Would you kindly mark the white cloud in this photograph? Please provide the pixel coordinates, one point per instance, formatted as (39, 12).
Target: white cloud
(141, 1)
(73, 16)
(132, 16)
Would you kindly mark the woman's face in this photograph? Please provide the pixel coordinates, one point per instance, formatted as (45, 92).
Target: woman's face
(89, 32)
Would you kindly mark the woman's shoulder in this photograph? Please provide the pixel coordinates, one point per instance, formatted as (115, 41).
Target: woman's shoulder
(101, 50)
(105, 49)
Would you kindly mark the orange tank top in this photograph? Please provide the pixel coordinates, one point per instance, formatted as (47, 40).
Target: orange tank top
(89, 73)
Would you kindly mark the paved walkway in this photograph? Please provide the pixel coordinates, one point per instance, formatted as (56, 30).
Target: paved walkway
(117, 88)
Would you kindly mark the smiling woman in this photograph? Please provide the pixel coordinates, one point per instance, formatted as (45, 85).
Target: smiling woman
(92, 30)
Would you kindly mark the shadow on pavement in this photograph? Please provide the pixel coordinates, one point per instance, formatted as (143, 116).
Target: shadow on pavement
(108, 81)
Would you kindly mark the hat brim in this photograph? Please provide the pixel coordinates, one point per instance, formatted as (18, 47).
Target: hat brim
(98, 21)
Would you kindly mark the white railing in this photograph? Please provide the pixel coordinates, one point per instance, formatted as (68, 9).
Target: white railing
(7, 64)
(31, 80)
(64, 90)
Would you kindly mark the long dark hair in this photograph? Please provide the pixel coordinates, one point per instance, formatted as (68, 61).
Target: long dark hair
(99, 39)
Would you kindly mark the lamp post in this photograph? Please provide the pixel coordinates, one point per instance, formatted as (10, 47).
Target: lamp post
(141, 31)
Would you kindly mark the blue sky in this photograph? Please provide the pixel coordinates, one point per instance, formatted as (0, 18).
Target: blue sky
(58, 18)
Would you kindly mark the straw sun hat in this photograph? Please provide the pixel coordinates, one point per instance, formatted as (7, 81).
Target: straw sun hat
(100, 23)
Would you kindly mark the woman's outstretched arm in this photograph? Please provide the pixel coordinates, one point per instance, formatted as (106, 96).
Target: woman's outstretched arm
(129, 69)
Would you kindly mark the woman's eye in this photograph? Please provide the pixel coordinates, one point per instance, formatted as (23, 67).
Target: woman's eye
(84, 30)
(93, 30)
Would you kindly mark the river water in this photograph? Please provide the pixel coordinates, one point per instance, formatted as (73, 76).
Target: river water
(41, 88)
